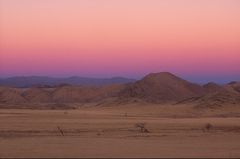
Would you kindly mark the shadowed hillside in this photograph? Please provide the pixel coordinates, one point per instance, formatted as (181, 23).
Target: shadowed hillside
(162, 87)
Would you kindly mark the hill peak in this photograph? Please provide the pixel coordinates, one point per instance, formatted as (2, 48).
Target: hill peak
(161, 76)
(162, 87)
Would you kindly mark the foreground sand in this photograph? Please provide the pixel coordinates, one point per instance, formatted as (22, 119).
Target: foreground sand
(111, 132)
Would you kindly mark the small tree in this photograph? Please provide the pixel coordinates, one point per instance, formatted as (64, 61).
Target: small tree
(60, 130)
(142, 127)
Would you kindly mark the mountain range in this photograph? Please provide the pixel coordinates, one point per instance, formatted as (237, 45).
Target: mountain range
(154, 88)
(44, 81)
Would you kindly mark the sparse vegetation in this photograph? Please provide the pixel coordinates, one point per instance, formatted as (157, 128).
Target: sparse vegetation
(142, 127)
(100, 132)
(208, 126)
(60, 130)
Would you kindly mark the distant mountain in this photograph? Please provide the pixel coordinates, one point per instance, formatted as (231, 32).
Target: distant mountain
(42, 81)
(162, 87)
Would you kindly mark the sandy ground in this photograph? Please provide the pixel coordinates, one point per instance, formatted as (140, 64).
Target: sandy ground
(111, 132)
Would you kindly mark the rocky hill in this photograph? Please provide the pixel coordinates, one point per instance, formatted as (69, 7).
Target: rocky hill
(162, 87)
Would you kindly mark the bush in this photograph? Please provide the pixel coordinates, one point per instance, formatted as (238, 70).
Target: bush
(142, 127)
(208, 126)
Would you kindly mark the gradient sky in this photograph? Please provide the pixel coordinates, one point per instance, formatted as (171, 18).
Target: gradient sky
(196, 39)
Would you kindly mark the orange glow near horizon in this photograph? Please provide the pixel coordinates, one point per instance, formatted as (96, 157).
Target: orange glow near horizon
(119, 37)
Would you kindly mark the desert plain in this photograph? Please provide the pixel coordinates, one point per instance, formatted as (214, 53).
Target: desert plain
(173, 131)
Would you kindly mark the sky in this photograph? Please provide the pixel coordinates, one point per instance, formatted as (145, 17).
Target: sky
(198, 40)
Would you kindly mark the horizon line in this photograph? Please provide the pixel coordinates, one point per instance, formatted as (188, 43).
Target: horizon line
(192, 79)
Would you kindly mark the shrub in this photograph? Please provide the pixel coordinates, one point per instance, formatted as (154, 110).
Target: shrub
(60, 130)
(208, 126)
(142, 127)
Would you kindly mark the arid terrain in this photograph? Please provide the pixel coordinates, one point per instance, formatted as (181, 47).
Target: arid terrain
(159, 116)
(119, 79)
(173, 131)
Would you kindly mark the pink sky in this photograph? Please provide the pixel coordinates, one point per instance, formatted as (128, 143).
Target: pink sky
(103, 38)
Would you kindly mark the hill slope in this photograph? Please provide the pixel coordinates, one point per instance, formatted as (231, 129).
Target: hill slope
(216, 96)
(161, 87)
